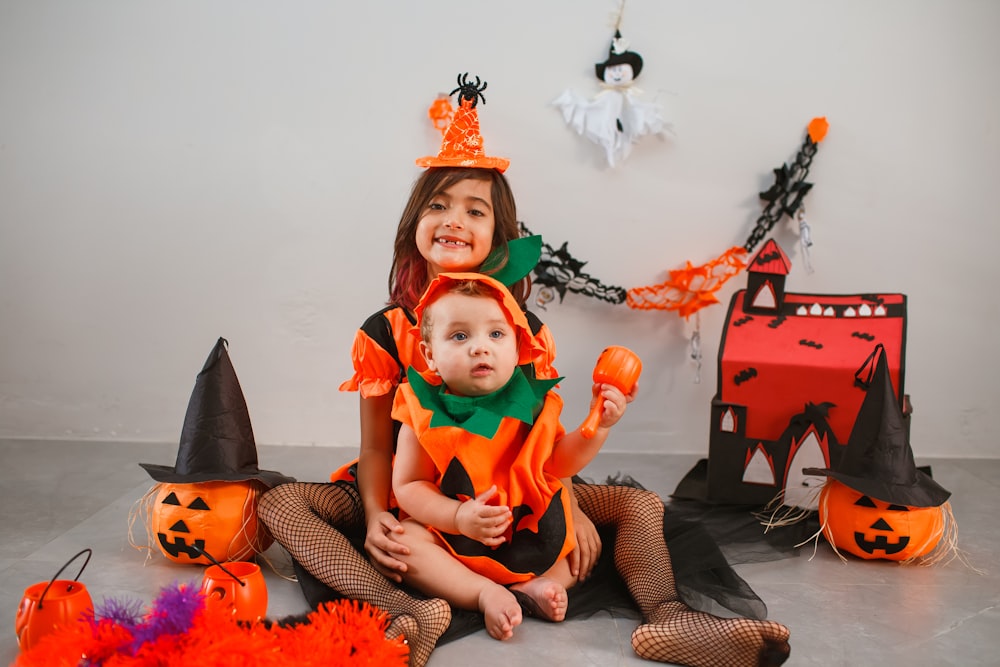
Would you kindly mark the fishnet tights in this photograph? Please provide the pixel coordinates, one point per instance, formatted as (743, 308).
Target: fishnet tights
(672, 632)
(301, 517)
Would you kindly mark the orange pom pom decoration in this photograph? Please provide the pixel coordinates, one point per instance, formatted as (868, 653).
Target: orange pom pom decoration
(817, 129)
(441, 112)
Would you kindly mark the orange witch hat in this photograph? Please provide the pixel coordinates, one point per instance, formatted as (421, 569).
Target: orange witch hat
(462, 144)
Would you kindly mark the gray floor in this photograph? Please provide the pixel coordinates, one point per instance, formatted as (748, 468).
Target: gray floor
(57, 498)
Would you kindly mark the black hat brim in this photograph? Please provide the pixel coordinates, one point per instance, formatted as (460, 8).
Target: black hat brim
(627, 58)
(169, 475)
(924, 492)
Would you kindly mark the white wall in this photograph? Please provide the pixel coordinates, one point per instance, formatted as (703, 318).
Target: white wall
(175, 171)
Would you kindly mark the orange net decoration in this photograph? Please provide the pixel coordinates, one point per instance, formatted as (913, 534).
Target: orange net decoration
(441, 112)
(690, 289)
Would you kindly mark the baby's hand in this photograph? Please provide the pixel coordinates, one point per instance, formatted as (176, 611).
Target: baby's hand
(614, 403)
(482, 522)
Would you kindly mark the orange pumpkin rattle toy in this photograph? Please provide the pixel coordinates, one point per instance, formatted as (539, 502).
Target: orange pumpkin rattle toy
(618, 366)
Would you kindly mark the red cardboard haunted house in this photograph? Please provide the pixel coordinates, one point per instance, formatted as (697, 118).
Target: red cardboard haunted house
(787, 397)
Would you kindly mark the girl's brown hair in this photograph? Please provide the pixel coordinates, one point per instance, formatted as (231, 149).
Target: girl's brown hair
(408, 274)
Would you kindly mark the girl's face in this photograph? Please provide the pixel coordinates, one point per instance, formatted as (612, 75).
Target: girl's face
(472, 345)
(455, 231)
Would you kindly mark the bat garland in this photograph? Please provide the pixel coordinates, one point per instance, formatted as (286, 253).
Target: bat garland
(558, 272)
(689, 289)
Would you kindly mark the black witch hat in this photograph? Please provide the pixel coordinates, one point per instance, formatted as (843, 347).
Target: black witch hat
(619, 57)
(878, 460)
(217, 443)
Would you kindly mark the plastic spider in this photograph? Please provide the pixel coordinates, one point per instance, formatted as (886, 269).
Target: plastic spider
(469, 91)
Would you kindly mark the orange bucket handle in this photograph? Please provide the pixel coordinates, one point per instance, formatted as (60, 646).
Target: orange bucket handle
(85, 551)
(221, 566)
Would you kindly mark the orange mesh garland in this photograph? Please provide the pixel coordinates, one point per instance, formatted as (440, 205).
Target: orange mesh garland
(690, 289)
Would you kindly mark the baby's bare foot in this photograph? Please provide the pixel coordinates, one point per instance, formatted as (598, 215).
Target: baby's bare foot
(543, 598)
(501, 611)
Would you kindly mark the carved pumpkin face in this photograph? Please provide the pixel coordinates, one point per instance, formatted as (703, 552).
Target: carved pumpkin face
(218, 517)
(873, 529)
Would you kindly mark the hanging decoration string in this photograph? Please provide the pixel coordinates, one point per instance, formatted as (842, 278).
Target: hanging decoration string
(805, 237)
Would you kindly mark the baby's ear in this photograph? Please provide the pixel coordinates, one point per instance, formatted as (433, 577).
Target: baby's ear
(425, 350)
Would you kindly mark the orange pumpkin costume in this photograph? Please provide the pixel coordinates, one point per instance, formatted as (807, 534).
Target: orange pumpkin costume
(514, 459)
(505, 438)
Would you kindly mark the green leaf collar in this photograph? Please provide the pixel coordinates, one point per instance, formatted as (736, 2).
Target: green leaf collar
(521, 398)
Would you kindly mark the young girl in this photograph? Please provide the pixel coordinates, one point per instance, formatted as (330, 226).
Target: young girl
(479, 458)
(455, 218)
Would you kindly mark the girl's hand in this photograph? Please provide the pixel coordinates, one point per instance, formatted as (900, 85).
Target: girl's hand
(614, 403)
(588, 544)
(482, 522)
(381, 545)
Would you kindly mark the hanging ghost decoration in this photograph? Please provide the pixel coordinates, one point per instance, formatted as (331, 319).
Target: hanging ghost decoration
(616, 118)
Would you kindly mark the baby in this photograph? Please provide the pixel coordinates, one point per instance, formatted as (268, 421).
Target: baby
(479, 458)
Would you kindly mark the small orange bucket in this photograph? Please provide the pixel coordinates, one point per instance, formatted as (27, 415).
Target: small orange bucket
(47, 605)
(238, 587)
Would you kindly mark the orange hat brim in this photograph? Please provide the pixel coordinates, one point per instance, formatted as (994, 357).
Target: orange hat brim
(508, 304)
(482, 162)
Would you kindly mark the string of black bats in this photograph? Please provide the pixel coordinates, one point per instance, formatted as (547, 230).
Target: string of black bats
(558, 271)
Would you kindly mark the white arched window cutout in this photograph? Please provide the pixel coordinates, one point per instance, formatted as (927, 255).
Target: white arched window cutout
(765, 297)
(728, 421)
(759, 469)
(802, 490)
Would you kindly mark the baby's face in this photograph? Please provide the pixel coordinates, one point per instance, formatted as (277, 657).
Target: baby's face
(472, 346)
(618, 75)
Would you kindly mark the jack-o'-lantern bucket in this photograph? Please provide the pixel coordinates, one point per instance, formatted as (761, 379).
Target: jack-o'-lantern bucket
(238, 587)
(50, 604)
(877, 504)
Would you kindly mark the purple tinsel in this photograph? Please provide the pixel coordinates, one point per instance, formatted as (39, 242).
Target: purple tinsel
(172, 613)
(124, 612)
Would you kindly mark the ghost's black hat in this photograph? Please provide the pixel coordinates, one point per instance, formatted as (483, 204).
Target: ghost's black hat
(217, 443)
(878, 460)
(619, 55)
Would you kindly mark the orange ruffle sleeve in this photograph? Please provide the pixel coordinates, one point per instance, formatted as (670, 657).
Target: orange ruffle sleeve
(376, 373)
(544, 355)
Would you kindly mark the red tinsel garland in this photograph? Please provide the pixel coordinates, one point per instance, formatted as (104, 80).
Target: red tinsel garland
(339, 633)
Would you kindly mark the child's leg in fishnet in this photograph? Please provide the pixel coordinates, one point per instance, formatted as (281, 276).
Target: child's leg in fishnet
(299, 516)
(672, 632)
